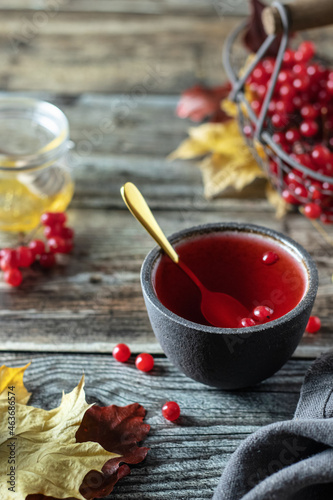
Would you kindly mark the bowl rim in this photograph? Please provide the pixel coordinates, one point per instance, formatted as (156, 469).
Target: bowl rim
(294, 247)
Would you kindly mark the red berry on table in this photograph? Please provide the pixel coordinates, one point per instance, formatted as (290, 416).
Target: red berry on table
(47, 260)
(13, 277)
(68, 246)
(52, 231)
(246, 322)
(270, 258)
(121, 353)
(312, 210)
(9, 259)
(25, 257)
(144, 362)
(56, 244)
(67, 233)
(313, 325)
(52, 218)
(262, 313)
(171, 411)
(37, 247)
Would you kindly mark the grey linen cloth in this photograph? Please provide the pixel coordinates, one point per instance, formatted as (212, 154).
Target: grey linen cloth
(290, 460)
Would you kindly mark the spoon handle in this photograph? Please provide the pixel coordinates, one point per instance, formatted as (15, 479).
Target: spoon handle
(139, 209)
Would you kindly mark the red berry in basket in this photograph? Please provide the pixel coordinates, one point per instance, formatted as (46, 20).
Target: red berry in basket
(37, 247)
(144, 362)
(246, 322)
(315, 191)
(321, 155)
(56, 244)
(262, 313)
(279, 120)
(171, 411)
(329, 87)
(121, 353)
(289, 198)
(309, 128)
(25, 257)
(270, 258)
(300, 191)
(293, 135)
(300, 70)
(312, 210)
(9, 259)
(47, 260)
(309, 112)
(289, 58)
(305, 51)
(287, 91)
(259, 75)
(13, 277)
(302, 83)
(313, 325)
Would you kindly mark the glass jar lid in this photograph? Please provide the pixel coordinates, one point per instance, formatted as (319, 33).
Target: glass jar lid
(32, 133)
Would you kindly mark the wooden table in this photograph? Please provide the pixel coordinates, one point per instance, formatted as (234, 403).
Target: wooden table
(128, 61)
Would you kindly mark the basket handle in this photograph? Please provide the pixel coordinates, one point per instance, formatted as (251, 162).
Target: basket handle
(303, 15)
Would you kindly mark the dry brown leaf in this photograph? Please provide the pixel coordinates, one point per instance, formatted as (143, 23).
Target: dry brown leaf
(220, 172)
(48, 459)
(274, 198)
(13, 377)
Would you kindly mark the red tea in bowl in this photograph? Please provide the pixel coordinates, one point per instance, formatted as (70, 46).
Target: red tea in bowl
(254, 269)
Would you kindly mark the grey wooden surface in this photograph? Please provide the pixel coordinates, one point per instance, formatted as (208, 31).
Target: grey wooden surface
(185, 458)
(126, 61)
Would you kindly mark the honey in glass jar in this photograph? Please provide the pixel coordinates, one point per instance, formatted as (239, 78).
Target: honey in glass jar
(34, 168)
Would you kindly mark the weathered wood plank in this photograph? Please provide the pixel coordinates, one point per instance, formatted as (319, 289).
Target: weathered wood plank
(97, 51)
(79, 52)
(96, 301)
(180, 7)
(186, 458)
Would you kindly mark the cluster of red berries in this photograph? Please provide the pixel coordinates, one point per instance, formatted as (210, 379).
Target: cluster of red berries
(59, 240)
(145, 363)
(300, 115)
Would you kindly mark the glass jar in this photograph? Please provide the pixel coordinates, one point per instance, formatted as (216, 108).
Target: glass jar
(34, 167)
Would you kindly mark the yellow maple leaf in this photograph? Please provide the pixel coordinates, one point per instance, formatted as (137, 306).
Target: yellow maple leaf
(222, 138)
(48, 460)
(219, 173)
(13, 377)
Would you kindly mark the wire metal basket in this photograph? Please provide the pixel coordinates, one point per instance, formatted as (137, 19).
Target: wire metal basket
(269, 154)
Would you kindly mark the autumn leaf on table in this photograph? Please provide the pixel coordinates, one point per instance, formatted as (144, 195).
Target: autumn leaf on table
(199, 103)
(118, 429)
(255, 33)
(230, 162)
(49, 461)
(13, 377)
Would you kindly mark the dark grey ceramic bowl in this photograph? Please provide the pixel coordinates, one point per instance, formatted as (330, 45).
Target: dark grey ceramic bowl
(229, 358)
